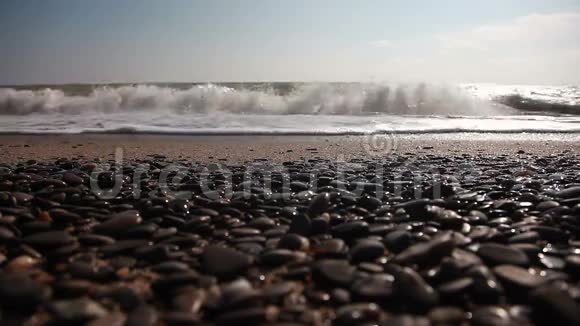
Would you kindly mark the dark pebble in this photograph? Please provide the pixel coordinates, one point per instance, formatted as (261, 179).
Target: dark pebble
(366, 250)
(331, 272)
(19, 292)
(77, 311)
(554, 306)
(49, 239)
(224, 262)
(517, 276)
(497, 254)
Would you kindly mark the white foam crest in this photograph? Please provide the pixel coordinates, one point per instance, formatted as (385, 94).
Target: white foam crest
(348, 99)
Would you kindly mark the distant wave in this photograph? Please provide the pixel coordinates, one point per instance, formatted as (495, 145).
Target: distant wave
(522, 103)
(346, 99)
(551, 100)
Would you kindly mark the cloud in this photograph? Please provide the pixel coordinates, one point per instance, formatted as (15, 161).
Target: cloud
(381, 43)
(559, 30)
(536, 49)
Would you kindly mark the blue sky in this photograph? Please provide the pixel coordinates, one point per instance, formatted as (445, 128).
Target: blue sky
(504, 41)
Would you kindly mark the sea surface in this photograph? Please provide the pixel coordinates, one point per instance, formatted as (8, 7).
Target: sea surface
(289, 108)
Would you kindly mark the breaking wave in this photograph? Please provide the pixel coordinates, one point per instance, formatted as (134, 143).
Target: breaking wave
(289, 108)
(343, 99)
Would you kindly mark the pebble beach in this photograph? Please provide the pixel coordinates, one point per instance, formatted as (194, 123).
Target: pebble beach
(224, 230)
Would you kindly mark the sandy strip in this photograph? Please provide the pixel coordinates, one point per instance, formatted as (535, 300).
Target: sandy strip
(14, 148)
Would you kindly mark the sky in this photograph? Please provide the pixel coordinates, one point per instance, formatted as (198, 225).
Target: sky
(84, 41)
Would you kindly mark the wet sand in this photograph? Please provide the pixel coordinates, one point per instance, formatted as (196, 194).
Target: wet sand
(14, 148)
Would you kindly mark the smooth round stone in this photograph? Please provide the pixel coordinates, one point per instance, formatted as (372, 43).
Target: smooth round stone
(21, 263)
(60, 215)
(276, 232)
(427, 253)
(73, 288)
(446, 315)
(517, 276)
(531, 250)
(571, 192)
(546, 205)
(170, 267)
(127, 298)
(143, 315)
(167, 284)
(19, 292)
(366, 250)
(573, 264)
(551, 262)
(278, 291)
(118, 223)
(87, 270)
(202, 211)
(123, 247)
(77, 311)
(377, 288)
(416, 208)
(454, 289)
(247, 316)
(237, 294)
(6, 235)
(413, 289)
(7, 200)
(189, 299)
(526, 237)
(491, 316)
(497, 254)
(406, 320)
(317, 297)
(119, 262)
(371, 268)
(320, 225)
(250, 248)
(333, 272)
(175, 318)
(112, 319)
(319, 204)
(145, 230)
(294, 242)
(49, 239)
(279, 257)
(551, 234)
(357, 314)
(398, 240)
(245, 232)
(224, 262)
(554, 306)
(340, 296)
(332, 248)
(486, 288)
(262, 223)
(22, 198)
(301, 224)
(72, 179)
(350, 230)
(95, 239)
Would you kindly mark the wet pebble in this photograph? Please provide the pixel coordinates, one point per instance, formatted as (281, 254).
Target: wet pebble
(497, 254)
(224, 262)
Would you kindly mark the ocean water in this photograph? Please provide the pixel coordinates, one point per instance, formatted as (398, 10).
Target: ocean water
(289, 108)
